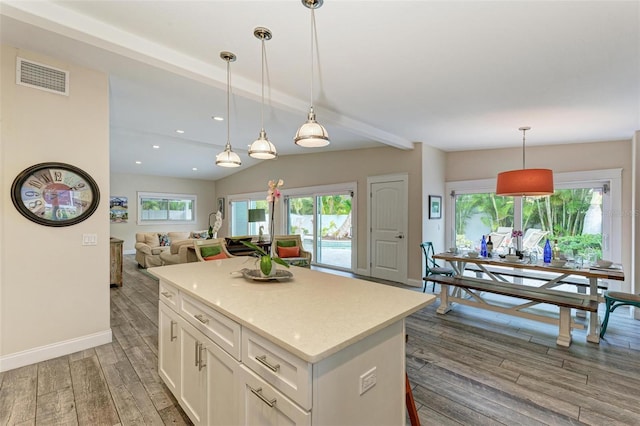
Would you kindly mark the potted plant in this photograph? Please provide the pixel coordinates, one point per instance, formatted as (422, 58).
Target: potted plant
(266, 260)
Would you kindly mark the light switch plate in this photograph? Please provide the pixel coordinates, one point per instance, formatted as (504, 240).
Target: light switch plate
(89, 239)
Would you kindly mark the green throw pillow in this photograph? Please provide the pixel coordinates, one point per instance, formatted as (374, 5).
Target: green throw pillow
(210, 251)
(287, 243)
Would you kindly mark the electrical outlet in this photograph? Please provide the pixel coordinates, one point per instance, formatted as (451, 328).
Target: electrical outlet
(368, 380)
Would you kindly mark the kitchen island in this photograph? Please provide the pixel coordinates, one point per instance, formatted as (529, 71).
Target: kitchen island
(318, 349)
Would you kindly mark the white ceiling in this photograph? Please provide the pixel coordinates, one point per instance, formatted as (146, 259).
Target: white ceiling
(455, 75)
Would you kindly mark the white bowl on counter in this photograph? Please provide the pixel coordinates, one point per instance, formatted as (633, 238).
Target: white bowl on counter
(473, 254)
(512, 258)
(558, 263)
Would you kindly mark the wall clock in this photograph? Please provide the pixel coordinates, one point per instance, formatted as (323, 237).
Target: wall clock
(55, 194)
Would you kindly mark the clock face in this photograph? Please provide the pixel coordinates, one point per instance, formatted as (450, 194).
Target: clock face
(55, 194)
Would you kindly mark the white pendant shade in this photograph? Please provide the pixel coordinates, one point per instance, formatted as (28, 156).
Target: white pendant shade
(312, 134)
(228, 158)
(262, 148)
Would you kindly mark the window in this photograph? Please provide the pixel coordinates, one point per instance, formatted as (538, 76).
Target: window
(158, 208)
(240, 206)
(575, 215)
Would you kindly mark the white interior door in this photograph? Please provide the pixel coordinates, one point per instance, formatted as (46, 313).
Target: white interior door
(388, 219)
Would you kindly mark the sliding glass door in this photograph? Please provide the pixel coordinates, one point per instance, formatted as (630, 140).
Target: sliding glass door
(324, 221)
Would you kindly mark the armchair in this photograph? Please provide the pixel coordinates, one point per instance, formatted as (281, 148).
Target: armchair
(213, 249)
(289, 248)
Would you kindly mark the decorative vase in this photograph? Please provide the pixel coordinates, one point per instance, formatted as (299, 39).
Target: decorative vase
(267, 266)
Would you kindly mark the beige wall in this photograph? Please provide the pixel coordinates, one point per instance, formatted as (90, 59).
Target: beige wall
(332, 167)
(433, 178)
(483, 164)
(126, 185)
(54, 292)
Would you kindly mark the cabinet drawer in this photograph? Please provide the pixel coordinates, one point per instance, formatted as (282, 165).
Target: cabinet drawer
(286, 372)
(264, 405)
(169, 295)
(217, 327)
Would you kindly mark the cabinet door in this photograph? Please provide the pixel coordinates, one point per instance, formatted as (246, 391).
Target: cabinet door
(265, 406)
(168, 347)
(223, 386)
(193, 378)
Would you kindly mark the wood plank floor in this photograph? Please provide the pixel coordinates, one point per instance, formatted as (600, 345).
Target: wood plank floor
(467, 367)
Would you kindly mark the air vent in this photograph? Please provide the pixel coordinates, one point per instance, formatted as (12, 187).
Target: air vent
(43, 77)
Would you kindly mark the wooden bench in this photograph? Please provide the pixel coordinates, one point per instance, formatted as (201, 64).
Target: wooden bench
(581, 283)
(535, 295)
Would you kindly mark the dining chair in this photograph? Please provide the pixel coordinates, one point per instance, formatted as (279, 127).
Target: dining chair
(615, 299)
(431, 267)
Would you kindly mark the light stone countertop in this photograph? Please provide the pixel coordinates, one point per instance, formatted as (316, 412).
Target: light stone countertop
(313, 315)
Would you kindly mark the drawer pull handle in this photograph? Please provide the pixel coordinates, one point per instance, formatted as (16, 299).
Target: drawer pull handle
(173, 336)
(197, 352)
(263, 360)
(200, 364)
(202, 319)
(258, 393)
(167, 294)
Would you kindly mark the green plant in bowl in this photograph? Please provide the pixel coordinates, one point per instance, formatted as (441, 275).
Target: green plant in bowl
(266, 260)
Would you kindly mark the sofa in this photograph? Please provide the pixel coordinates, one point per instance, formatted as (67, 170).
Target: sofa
(165, 248)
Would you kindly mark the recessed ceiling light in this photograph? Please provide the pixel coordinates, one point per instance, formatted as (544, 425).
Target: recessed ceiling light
(218, 118)
(180, 131)
(138, 162)
(156, 146)
(195, 169)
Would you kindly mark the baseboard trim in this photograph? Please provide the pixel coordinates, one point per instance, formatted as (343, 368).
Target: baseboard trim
(54, 350)
(415, 283)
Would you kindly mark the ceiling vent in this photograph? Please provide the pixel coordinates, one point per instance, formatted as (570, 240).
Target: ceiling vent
(43, 77)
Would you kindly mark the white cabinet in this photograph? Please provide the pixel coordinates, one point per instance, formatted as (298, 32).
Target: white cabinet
(223, 372)
(168, 347)
(264, 405)
(201, 375)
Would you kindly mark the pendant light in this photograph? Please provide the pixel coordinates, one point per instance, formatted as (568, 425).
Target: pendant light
(262, 148)
(228, 158)
(531, 182)
(311, 134)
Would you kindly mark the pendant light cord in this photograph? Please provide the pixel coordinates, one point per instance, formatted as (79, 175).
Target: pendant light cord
(523, 149)
(262, 105)
(228, 147)
(313, 26)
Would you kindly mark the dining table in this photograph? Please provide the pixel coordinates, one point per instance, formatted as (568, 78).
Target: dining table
(538, 275)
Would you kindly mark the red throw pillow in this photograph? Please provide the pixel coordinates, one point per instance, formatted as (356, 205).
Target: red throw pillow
(289, 251)
(218, 256)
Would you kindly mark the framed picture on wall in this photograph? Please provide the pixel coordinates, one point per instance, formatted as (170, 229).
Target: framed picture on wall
(221, 206)
(118, 209)
(435, 207)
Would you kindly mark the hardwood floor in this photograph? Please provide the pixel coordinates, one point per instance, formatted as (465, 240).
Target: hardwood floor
(112, 384)
(467, 367)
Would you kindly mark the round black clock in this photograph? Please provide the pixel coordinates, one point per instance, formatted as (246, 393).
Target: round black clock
(55, 194)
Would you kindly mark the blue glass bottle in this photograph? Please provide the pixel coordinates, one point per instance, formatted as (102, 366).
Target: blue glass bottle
(483, 247)
(547, 253)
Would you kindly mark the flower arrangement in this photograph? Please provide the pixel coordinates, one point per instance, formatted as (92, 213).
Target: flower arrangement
(213, 230)
(517, 234)
(273, 193)
(266, 261)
